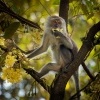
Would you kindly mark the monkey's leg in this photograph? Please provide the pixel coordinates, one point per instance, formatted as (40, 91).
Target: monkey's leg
(49, 67)
(76, 79)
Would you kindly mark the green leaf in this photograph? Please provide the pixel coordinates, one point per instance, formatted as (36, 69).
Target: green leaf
(84, 9)
(97, 54)
(9, 32)
(56, 2)
(90, 16)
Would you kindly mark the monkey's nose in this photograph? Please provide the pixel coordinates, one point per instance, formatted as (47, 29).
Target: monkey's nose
(56, 25)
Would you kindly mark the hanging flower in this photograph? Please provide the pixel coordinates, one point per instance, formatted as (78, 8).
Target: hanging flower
(11, 75)
(2, 41)
(10, 60)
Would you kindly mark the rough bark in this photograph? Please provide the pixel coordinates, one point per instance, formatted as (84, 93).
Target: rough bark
(57, 91)
(4, 8)
(63, 9)
(58, 87)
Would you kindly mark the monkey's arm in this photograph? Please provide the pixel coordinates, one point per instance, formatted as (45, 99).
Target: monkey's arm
(74, 50)
(65, 40)
(44, 46)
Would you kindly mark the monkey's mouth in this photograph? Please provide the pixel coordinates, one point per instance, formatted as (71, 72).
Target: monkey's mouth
(57, 29)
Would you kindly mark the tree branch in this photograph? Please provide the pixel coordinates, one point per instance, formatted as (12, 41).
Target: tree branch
(72, 97)
(33, 73)
(58, 87)
(3, 48)
(88, 86)
(62, 79)
(63, 9)
(30, 71)
(4, 8)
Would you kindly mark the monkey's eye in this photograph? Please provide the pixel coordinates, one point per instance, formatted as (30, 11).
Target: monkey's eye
(57, 21)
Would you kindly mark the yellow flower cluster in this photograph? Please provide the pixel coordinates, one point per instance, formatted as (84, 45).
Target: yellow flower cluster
(9, 72)
(2, 41)
(12, 75)
(12, 71)
(10, 60)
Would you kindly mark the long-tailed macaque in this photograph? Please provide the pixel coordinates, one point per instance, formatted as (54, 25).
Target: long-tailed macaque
(62, 46)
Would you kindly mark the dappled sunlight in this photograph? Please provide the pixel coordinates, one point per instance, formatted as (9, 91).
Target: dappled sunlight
(15, 83)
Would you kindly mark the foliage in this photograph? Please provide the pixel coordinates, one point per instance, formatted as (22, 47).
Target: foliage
(94, 89)
(9, 31)
(82, 15)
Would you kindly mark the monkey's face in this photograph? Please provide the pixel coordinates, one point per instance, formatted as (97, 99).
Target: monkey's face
(55, 23)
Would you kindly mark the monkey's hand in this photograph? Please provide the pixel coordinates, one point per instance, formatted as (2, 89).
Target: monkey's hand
(66, 40)
(57, 29)
(64, 69)
(57, 34)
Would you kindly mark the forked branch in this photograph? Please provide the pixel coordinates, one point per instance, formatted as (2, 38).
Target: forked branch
(4, 8)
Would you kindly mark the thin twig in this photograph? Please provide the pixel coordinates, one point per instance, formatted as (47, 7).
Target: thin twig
(4, 8)
(33, 73)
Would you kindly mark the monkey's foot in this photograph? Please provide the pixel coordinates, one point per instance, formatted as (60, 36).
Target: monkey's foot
(64, 70)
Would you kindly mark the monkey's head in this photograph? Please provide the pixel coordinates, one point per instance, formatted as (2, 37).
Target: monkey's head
(55, 23)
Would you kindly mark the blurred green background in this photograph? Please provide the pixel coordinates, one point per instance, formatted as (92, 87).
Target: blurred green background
(82, 15)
